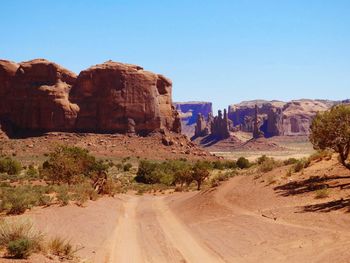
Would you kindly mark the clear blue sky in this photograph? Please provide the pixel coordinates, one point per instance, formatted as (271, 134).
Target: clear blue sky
(219, 51)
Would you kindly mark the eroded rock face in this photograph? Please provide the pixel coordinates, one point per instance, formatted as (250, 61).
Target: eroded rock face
(7, 72)
(188, 112)
(111, 95)
(38, 97)
(278, 118)
(41, 96)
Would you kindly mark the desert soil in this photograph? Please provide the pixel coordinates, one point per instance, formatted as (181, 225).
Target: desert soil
(246, 219)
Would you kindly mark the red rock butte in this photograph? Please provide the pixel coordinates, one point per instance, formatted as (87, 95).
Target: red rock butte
(42, 96)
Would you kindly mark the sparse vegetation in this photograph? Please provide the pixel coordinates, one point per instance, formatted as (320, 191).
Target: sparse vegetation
(16, 200)
(62, 248)
(322, 193)
(267, 164)
(10, 166)
(243, 163)
(19, 238)
(300, 165)
(331, 130)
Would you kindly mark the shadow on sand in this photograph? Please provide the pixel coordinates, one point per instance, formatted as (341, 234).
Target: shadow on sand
(315, 183)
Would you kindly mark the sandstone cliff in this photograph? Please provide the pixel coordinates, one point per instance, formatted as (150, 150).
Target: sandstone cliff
(277, 117)
(41, 96)
(112, 96)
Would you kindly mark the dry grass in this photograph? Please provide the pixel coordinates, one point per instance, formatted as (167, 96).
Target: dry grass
(19, 238)
(322, 193)
(62, 248)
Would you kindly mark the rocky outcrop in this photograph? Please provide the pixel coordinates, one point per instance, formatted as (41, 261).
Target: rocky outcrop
(112, 94)
(38, 97)
(7, 72)
(217, 127)
(220, 126)
(201, 128)
(257, 133)
(41, 96)
(188, 112)
(278, 118)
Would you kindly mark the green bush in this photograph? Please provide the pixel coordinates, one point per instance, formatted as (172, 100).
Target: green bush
(10, 166)
(20, 248)
(331, 130)
(243, 163)
(172, 172)
(71, 165)
(16, 200)
(221, 165)
(19, 238)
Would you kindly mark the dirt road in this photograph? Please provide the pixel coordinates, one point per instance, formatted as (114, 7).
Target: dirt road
(149, 232)
(242, 221)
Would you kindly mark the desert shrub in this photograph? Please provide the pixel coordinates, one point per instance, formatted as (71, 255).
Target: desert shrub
(243, 163)
(111, 187)
(145, 172)
(221, 165)
(322, 193)
(71, 165)
(200, 172)
(267, 164)
(63, 196)
(262, 159)
(167, 172)
(83, 192)
(10, 166)
(20, 248)
(320, 155)
(32, 172)
(127, 167)
(290, 161)
(300, 165)
(62, 248)
(19, 238)
(16, 200)
(331, 130)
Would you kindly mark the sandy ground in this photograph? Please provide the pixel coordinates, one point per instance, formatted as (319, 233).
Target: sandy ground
(246, 219)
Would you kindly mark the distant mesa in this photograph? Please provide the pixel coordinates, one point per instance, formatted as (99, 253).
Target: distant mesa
(259, 117)
(41, 96)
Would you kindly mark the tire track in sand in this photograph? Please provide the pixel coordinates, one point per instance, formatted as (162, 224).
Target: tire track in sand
(169, 240)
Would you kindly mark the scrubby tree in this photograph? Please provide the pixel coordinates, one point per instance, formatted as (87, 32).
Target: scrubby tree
(243, 163)
(72, 165)
(331, 130)
(200, 172)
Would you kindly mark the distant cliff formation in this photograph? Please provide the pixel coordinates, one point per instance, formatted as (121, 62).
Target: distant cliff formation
(260, 117)
(277, 118)
(42, 96)
(189, 111)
